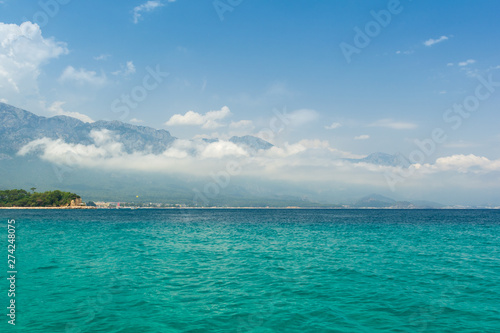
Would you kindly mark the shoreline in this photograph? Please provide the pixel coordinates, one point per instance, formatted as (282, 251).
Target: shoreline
(48, 208)
(222, 208)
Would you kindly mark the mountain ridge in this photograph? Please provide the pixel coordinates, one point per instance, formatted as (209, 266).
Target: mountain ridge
(18, 127)
(384, 159)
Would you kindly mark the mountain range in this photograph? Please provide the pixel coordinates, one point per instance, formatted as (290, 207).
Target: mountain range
(396, 160)
(380, 201)
(19, 127)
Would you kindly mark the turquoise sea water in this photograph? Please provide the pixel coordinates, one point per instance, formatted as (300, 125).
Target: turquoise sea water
(254, 271)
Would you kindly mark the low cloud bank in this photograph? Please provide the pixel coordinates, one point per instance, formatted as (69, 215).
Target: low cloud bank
(313, 161)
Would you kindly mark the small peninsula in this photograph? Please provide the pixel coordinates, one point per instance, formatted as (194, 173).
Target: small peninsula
(50, 199)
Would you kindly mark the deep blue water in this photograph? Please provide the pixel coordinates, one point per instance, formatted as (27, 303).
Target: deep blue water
(254, 271)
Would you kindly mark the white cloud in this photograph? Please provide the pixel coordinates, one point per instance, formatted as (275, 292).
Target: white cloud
(186, 156)
(431, 41)
(222, 149)
(23, 52)
(107, 152)
(136, 121)
(305, 145)
(127, 70)
(56, 109)
(311, 161)
(334, 125)
(207, 121)
(464, 164)
(390, 123)
(362, 137)
(301, 117)
(60, 152)
(466, 62)
(101, 137)
(3, 100)
(471, 72)
(82, 76)
(102, 57)
(242, 124)
(405, 52)
(148, 6)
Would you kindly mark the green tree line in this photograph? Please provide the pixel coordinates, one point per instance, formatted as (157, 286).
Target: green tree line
(22, 198)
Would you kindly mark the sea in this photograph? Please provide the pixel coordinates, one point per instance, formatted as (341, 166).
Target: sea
(252, 270)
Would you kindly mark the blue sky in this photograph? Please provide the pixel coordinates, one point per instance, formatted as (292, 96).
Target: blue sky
(253, 57)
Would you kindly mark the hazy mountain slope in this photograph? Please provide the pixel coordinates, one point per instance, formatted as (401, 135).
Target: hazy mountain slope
(18, 127)
(383, 159)
(251, 142)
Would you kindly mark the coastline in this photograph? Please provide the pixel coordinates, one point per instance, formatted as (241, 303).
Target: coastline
(223, 208)
(48, 208)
